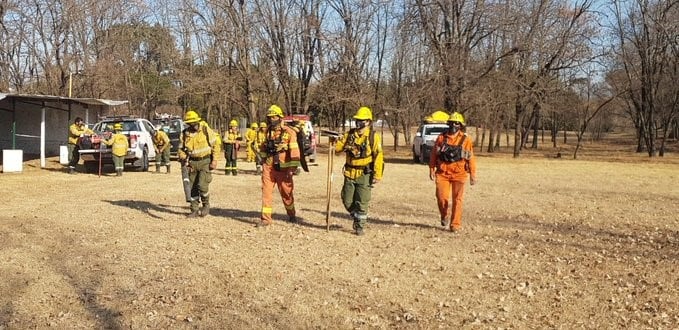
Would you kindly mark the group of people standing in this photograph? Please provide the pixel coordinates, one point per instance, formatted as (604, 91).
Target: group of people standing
(275, 148)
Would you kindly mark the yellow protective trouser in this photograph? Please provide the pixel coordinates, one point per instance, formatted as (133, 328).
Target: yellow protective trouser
(250, 154)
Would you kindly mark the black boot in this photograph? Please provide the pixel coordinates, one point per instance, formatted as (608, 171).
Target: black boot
(193, 214)
(205, 210)
(168, 168)
(157, 169)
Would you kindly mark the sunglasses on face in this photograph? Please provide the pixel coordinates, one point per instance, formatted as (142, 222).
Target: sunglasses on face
(456, 123)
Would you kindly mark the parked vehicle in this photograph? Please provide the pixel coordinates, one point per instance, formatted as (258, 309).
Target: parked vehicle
(138, 132)
(173, 126)
(309, 143)
(426, 135)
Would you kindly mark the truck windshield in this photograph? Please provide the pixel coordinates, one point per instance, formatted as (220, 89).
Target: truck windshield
(107, 126)
(435, 130)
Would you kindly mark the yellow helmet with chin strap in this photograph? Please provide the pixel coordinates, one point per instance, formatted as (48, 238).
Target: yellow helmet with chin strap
(118, 127)
(262, 124)
(364, 113)
(253, 125)
(233, 123)
(456, 117)
(275, 110)
(191, 117)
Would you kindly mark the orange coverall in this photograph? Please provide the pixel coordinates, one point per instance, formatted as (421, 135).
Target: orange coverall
(279, 172)
(451, 177)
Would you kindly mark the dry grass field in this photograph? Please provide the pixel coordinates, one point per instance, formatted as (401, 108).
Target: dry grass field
(591, 243)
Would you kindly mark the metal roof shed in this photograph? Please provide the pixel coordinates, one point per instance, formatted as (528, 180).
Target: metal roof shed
(38, 124)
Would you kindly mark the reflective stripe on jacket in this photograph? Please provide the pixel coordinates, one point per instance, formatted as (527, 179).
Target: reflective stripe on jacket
(355, 164)
(119, 144)
(285, 139)
(456, 171)
(198, 144)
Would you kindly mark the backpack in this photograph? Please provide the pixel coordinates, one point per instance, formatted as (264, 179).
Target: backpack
(451, 154)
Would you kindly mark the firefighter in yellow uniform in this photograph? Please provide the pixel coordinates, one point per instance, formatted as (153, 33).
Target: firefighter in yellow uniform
(231, 141)
(260, 154)
(76, 131)
(363, 167)
(199, 150)
(162, 143)
(281, 159)
(250, 137)
(119, 145)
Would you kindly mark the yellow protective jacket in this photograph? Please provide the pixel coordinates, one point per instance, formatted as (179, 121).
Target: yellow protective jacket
(119, 144)
(199, 145)
(284, 140)
(75, 131)
(360, 153)
(161, 141)
(250, 136)
(231, 137)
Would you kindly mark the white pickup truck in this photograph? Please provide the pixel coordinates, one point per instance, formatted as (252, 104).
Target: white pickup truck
(138, 132)
(423, 143)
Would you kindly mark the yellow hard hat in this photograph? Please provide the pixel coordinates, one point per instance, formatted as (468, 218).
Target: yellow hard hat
(275, 110)
(253, 125)
(262, 124)
(456, 116)
(118, 127)
(233, 123)
(191, 117)
(364, 113)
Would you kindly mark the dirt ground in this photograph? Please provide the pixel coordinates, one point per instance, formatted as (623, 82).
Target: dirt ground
(547, 243)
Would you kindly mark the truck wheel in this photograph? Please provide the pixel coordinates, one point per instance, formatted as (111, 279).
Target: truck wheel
(423, 159)
(144, 161)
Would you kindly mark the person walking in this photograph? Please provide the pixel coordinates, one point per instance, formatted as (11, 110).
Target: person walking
(231, 141)
(250, 137)
(199, 150)
(260, 154)
(162, 143)
(451, 160)
(119, 144)
(281, 160)
(76, 131)
(363, 167)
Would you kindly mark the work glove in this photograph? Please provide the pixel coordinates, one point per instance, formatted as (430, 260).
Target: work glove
(213, 165)
(282, 147)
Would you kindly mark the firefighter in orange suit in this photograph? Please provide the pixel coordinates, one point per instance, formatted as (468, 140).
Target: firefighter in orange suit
(119, 145)
(451, 160)
(250, 137)
(282, 159)
(364, 166)
(199, 150)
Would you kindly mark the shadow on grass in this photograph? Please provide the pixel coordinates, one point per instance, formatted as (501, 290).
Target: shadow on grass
(145, 207)
(373, 220)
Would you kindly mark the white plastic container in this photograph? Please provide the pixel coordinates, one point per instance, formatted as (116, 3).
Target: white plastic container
(63, 155)
(12, 160)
